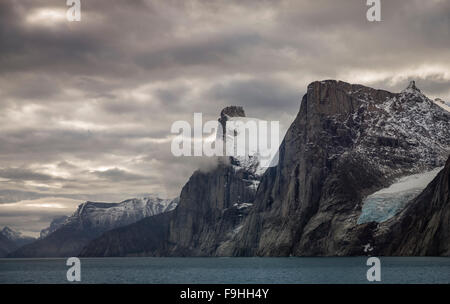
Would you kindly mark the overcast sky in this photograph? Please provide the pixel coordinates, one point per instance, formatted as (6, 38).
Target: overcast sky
(86, 107)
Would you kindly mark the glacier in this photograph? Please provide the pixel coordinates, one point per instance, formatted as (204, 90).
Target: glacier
(385, 203)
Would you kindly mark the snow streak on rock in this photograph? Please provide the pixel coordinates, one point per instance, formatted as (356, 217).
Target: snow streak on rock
(385, 203)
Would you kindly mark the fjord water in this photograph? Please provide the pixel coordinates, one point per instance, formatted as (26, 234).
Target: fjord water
(227, 270)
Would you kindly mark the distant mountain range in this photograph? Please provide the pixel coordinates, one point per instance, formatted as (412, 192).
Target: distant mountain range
(66, 236)
(348, 146)
(11, 239)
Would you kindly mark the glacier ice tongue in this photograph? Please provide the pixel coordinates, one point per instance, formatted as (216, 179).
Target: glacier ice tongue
(385, 203)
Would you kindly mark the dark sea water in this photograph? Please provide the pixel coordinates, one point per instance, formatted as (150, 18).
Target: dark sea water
(227, 270)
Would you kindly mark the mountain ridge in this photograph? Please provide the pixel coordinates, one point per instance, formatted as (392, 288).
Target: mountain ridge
(68, 236)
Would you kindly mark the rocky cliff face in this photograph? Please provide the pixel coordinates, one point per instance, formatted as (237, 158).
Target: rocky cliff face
(55, 224)
(212, 206)
(89, 221)
(346, 142)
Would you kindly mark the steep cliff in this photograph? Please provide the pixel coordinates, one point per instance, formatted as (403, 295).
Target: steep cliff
(346, 142)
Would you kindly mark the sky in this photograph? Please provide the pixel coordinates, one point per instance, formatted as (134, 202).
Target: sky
(86, 107)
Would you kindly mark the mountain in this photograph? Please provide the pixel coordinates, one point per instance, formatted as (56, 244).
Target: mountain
(11, 239)
(212, 206)
(16, 236)
(347, 142)
(67, 237)
(6, 246)
(54, 225)
(347, 146)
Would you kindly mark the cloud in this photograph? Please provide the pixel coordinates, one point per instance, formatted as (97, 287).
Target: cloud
(31, 216)
(23, 174)
(257, 93)
(118, 175)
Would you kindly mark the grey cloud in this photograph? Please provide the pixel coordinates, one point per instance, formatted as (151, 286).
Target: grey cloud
(170, 96)
(66, 165)
(23, 174)
(216, 50)
(257, 93)
(432, 85)
(118, 175)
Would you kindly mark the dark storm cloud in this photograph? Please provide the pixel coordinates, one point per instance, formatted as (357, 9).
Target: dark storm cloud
(86, 107)
(171, 96)
(257, 93)
(210, 51)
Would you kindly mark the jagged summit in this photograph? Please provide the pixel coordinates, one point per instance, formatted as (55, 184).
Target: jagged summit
(10, 233)
(412, 86)
(233, 111)
(110, 215)
(226, 113)
(16, 237)
(412, 89)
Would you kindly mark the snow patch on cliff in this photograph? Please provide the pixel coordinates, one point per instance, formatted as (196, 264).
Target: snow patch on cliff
(385, 203)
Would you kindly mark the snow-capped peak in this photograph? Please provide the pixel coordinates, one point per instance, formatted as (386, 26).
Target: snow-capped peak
(413, 94)
(111, 215)
(408, 127)
(412, 87)
(11, 234)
